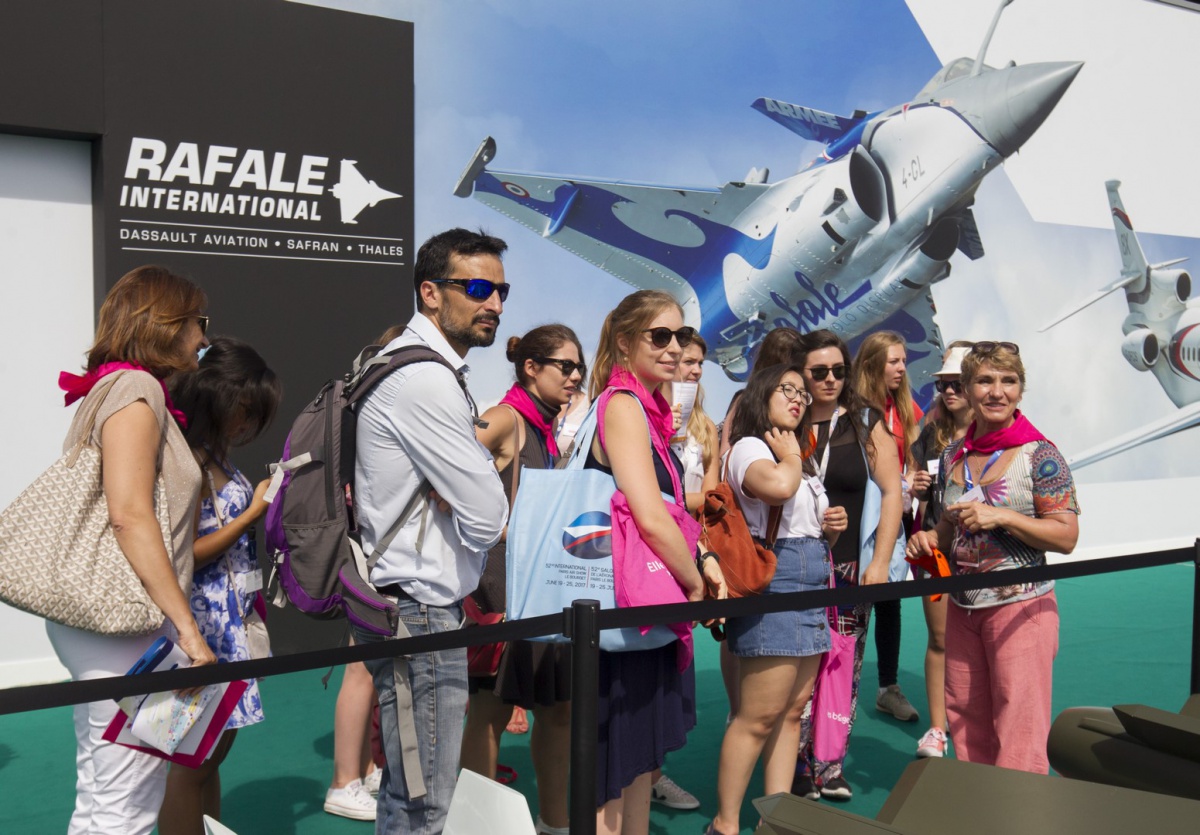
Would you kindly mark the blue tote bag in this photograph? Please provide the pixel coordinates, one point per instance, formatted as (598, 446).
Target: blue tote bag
(560, 546)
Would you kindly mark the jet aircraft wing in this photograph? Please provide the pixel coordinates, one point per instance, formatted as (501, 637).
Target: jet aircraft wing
(652, 237)
(808, 122)
(1182, 418)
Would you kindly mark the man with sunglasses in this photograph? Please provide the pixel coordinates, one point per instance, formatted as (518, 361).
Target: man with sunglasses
(416, 435)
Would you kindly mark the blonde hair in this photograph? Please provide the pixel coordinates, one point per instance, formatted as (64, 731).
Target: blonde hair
(869, 365)
(626, 321)
(700, 426)
(142, 321)
(943, 421)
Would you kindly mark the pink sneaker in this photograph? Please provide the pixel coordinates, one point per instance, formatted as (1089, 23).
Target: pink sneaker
(933, 744)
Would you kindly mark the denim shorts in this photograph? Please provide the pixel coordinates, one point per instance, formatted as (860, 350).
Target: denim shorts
(802, 565)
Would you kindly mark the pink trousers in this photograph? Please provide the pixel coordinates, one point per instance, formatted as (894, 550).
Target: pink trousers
(999, 677)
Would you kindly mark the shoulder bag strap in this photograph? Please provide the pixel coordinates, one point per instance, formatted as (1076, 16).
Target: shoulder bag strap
(774, 515)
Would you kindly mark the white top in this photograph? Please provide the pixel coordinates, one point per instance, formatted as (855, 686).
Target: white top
(691, 455)
(800, 513)
(416, 425)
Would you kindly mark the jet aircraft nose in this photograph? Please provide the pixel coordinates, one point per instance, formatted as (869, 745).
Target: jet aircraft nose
(1008, 105)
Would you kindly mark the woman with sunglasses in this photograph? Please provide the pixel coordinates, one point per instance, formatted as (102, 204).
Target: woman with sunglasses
(946, 422)
(1009, 499)
(520, 432)
(646, 705)
(151, 325)
(881, 378)
(771, 466)
(857, 462)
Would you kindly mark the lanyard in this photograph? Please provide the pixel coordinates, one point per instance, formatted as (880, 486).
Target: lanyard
(967, 468)
(828, 443)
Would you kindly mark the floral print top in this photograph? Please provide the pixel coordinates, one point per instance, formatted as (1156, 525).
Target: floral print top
(1036, 483)
(219, 595)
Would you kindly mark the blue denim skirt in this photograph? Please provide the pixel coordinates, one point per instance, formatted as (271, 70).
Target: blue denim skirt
(802, 564)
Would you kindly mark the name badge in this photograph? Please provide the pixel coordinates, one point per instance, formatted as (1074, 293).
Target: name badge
(975, 494)
(254, 580)
(818, 489)
(933, 467)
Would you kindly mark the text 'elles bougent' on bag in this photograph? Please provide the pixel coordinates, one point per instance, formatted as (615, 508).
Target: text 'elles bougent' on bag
(312, 531)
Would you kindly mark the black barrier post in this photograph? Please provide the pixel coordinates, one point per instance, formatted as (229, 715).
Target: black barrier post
(585, 683)
(1196, 623)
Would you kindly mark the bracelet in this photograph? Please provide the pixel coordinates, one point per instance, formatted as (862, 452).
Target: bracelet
(706, 555)
(798, 455)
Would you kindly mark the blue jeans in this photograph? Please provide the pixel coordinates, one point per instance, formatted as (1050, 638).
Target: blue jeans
(439, 696)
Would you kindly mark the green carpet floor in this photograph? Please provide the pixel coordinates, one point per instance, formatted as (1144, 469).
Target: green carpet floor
(1125, 638)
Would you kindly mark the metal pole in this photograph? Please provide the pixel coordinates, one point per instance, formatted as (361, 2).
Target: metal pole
(1196, 622)
(585, 685)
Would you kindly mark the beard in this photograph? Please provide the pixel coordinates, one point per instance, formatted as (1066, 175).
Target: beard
(466, 334)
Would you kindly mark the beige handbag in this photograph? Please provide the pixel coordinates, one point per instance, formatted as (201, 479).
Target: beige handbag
(59, 557)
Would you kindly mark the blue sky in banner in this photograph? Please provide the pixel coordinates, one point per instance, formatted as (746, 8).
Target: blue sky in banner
(660, 92)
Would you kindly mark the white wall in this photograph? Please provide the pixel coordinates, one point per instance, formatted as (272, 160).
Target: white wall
(46, 323)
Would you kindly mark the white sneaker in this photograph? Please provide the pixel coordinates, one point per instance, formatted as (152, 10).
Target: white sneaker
(933, 744)
(666, 792)
(544, 828)
(353, 801)
(371, 781)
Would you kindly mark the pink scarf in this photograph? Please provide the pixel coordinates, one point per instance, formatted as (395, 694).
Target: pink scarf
(522, 401)
(658, 410)
(77, 387)
(1019, 433)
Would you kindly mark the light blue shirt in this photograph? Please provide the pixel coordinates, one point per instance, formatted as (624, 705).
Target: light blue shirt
(417, 425)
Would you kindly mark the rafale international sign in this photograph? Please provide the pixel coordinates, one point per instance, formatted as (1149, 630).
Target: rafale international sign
(186, 197)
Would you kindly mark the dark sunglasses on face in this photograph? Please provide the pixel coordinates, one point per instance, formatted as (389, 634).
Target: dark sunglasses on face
(992, 347)
(661, 337)
(820, 372)
(203, 321)
(479, 289)
(567, 367)
(944, 386)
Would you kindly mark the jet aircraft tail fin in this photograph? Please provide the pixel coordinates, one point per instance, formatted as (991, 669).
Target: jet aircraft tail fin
(1133, 261)
(807, 122)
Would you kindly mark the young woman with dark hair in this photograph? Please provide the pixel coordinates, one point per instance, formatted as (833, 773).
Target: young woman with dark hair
(229, 400)
(856, 458)
(533, 675)
(771, 465)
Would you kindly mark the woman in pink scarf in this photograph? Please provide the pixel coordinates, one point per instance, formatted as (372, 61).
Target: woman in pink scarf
(1009, 499)
(151, 325)
(548, 364)
(646, 705)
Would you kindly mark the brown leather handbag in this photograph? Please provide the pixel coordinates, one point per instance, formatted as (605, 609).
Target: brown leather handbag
(747, 565)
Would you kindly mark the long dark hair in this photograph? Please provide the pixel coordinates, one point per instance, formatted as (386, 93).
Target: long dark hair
(849, 398)
(753, 412)
(232, 382)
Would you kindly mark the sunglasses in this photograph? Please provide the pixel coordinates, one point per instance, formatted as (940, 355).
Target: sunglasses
(944, 386)
(792, 393)
(661, 337)
(203, 320)
(820, 372)
(479, 289)
(993, 347)
(567, 367)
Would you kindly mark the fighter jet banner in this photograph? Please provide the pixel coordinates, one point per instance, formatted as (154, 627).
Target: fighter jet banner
(933, 167)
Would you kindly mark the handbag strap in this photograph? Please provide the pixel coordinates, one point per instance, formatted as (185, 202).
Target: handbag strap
(519, 444)
(774, 515)
(657, 443)
(90, 410)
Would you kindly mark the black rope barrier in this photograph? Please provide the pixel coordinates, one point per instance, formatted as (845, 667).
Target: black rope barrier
(37, 697)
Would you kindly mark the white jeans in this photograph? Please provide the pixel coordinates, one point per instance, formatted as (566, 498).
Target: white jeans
(117, 789)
